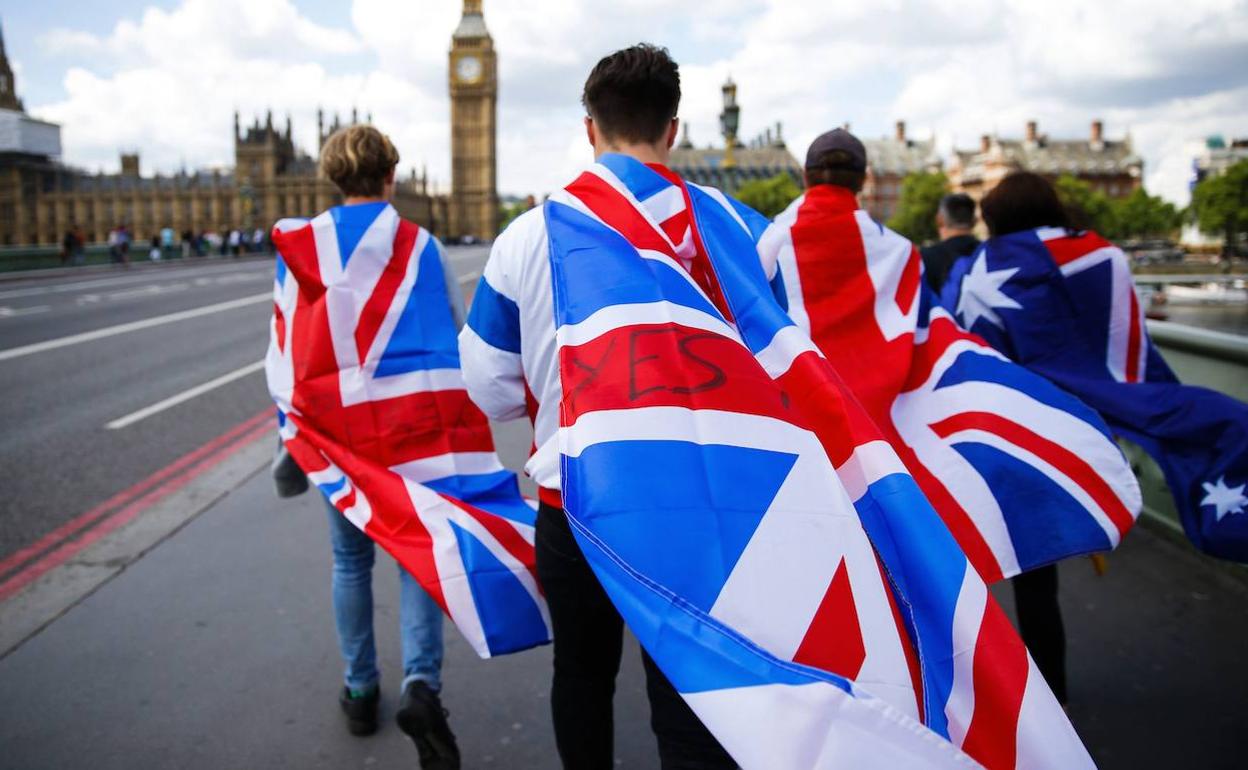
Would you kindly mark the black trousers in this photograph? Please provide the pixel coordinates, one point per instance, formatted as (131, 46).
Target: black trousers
(589, 639)
(1040, 625)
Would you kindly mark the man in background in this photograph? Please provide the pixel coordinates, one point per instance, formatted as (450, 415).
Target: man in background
(955, 219)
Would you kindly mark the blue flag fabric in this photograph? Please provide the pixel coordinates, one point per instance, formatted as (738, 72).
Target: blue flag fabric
(759, 536)
(1064, 305)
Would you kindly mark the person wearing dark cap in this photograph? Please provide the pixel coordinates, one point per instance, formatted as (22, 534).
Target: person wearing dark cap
(955, 220)
(838, 160)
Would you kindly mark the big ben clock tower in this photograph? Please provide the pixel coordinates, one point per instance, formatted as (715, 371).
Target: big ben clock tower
(474, 96)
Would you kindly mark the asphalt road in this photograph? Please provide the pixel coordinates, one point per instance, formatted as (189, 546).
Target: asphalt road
(57, 400)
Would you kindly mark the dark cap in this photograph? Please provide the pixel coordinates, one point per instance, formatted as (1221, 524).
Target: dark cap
(838, 139)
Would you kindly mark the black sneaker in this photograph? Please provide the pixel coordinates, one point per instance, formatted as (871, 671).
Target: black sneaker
(361, 710)
(422, 717)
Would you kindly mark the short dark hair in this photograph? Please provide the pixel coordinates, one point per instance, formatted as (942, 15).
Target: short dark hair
(837, 168)
(634, 93)
(958, 210)
(1022, 201)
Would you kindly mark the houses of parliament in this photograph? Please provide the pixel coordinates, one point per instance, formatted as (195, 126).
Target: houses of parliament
(41, 198)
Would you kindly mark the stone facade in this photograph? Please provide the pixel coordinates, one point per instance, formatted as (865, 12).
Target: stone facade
(41, 197)
(1110, 166)
(889, 161)
(737, 162)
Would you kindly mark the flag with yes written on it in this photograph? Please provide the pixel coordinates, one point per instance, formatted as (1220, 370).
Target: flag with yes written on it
(1022, 473)
(364, 367)
(758, 535)
(1063, 304)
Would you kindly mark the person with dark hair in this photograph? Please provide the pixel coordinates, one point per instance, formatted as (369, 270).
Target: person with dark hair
(1026, 201)
(838, 159)
(510, 365)
(955, 221)
(1023, 201)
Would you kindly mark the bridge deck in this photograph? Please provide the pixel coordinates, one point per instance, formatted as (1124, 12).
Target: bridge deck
(217, 650)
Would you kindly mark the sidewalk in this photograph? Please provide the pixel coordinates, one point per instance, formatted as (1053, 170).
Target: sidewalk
(216, 650)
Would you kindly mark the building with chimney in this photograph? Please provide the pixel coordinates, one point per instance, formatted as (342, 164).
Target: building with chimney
(1109, 166)
(889, 161)
(41, 197)
(736, 162)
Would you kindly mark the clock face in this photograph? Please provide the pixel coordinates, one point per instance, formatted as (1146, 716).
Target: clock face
(468, 68)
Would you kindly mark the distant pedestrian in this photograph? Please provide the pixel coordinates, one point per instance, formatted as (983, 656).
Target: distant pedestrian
(257, 241)
(124, 238)
(119, 245)
(80, 242)
(154, 253)
(69, 246)
(187, 238)
(235, 241)
(955, 222)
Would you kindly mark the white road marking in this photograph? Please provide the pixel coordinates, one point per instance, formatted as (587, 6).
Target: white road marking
(474, 275)
(263, 268)
(14, 312)
(151, 290)
(185, 395)
(146, 323)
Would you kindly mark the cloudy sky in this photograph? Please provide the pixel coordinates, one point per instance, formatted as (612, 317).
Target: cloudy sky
(164, 76)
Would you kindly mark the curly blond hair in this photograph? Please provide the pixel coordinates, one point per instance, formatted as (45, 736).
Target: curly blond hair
(358, 159)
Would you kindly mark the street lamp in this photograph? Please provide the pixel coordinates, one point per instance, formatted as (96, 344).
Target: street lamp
(729, 121)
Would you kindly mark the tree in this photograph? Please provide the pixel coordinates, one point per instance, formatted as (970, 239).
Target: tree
(1141, 215)
(769, 196)
(1221, 204)
(915, 216)
(1089, 209)
(509, 211)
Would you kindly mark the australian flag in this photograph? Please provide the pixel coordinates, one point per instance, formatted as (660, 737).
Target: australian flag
(1022, 473)
(755, 530)
(364, 366)
(1063, 304)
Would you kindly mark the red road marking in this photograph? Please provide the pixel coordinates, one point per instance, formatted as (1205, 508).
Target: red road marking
(59, 546)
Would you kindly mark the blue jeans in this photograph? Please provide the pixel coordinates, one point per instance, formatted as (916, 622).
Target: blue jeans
(420, 618)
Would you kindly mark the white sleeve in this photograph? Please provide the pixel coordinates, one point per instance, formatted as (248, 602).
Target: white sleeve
(489, 344)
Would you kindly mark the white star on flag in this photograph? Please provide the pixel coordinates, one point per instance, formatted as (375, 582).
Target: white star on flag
(981, 293)
(1223, 498)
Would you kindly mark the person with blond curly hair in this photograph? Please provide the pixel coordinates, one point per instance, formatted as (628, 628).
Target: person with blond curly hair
(361, 162)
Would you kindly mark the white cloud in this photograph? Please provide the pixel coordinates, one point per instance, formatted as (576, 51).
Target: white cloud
(168, 81)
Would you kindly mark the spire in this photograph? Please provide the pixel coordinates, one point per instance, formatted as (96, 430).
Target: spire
(685, 142)
(8, 85)
(472, 23)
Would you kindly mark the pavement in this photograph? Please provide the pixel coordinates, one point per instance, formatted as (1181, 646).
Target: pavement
(193, 629)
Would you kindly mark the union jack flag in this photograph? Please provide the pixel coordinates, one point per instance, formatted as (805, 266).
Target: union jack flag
(1063, 304)
(364, 367)
(1022, 473)
(760, 537)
